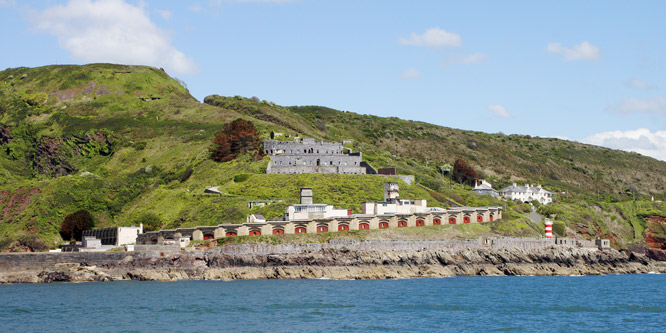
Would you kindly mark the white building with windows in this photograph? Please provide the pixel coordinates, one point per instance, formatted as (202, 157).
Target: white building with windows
(527, 193)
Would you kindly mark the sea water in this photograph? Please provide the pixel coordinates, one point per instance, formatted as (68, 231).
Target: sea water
(616, 303)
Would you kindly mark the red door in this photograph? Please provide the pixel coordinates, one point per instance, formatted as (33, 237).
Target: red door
(383, 225)
(479, 218)
(436, 221)
(301, 230)
(420, 223)
(322, 228)
(491, 218)
(452, 220)
(278, 231)
(363, 226)
(402, 224)
(466, 219)
(343, 227)
(230, 233)
(255, 232)
(208, 236)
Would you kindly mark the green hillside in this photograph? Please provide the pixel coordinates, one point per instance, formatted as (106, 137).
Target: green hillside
(130, 145)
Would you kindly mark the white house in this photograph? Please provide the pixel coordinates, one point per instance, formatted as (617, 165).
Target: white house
(485, 188)
(527, 193)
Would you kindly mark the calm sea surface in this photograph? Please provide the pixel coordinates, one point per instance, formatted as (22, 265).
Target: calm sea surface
(584, 303)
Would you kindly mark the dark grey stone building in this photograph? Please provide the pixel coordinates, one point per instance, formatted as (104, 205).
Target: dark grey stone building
(310, 156)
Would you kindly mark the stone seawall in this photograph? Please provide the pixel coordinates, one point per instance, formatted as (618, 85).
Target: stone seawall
(334, 260)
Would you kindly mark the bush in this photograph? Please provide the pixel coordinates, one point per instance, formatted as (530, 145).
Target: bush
(74, 224)
(559, 228)
(241, 178)
(150, 221)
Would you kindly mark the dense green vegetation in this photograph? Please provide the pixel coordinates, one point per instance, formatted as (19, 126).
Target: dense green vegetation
(130, 145)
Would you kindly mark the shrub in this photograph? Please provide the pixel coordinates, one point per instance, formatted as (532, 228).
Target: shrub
(559, 228)
(150, 221)
(241, 178)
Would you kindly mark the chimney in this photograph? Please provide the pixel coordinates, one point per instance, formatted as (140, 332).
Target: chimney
(306, 196)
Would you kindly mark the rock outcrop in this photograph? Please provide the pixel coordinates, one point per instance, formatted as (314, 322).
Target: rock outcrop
(343, 264)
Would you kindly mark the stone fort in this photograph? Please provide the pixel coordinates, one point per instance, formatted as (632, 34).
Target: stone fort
(310, 156)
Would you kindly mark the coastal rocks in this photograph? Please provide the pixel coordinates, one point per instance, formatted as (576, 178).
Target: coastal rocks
(345, 263)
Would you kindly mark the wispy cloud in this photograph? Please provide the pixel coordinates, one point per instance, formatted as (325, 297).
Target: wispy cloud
(410, 74)
(111, 31)
(499, 111)
(639, 84)
(582, 51)
(7, 3)
(642, 141)
(650, 105)
(473, 58)
(434, 38)
(221, 2)
(166, 14)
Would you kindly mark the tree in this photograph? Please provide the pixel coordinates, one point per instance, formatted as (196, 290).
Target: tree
(239, 136)
(463, 173)
(74, 224)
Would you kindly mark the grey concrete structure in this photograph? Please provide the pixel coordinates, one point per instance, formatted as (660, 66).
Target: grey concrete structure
(310, 156)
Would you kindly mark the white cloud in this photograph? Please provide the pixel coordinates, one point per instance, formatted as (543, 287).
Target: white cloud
(433, 37)
(499, 111)
(473, 58)
(582, 51)
(195, 8)
(411, 74)
(641, 141)
(111, 31)
(651, 105)
(166, 14)
(637, 83)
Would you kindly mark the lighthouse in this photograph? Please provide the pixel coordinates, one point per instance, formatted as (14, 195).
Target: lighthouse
(549, 228)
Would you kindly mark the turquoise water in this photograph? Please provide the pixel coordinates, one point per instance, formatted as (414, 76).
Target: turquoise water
(585, 303)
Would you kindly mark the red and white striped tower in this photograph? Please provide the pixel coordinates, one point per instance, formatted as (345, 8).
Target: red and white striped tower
(549, 229)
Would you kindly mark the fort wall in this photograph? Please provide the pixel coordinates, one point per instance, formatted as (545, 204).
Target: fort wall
(462, 215)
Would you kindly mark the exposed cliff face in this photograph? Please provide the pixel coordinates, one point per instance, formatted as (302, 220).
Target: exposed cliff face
(655, 237)
(346, 264)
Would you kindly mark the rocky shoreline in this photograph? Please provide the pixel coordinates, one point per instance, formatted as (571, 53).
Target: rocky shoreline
(334, 264)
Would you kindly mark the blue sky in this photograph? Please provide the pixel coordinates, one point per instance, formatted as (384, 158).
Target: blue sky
(589, 71)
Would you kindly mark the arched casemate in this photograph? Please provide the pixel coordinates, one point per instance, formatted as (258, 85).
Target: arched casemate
(255, 232)
(402, 224)
(479, 218)
(363, 226)
(452, 220)
(208, 236)
(420, 222)
(491, 217)
(231, 233)
(466, 219)
(278, 231)
(383, 225)
(437, 221)
(301, 230)
(343, 227)
(322, 228)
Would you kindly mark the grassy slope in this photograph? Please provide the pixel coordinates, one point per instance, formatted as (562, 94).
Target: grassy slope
(163, 134)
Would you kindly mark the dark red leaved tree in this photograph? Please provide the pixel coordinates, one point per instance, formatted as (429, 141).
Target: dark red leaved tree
(237, 137)
(463, 173)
